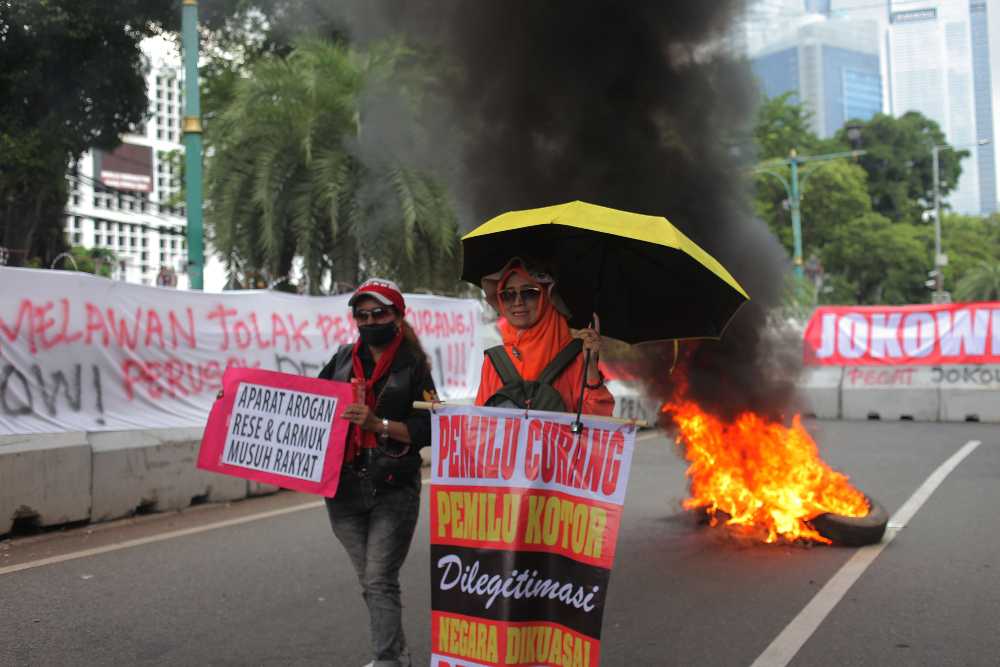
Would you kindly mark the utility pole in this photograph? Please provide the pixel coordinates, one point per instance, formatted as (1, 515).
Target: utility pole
(192, 145)
(940, 259)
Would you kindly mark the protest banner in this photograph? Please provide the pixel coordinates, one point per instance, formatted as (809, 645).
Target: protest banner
(524, 524)
(278, 428)
(928, 335)
(83, 353)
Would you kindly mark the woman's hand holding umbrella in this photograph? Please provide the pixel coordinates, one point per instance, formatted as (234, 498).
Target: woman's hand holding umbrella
(591, 337)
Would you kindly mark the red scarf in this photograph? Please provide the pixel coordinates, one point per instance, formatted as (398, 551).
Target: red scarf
(360, 438)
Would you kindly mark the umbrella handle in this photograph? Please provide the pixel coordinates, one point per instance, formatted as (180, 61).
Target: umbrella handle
(577, 425)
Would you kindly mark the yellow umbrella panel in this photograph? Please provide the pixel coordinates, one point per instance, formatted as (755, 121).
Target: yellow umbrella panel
(644, 278)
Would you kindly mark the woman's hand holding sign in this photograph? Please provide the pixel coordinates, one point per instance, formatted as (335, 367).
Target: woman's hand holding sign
(362, 416)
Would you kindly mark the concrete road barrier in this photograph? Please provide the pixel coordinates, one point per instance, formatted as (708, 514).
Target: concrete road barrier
(44, 479)
(631, 402)
(969, 393)
(261, 489)
(153, 470)
(819, 392)
(890, 393)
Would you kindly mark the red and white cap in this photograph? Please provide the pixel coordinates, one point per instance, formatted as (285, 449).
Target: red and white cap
(384, 291)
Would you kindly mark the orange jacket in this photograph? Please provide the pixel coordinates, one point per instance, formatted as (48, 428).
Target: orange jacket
(595, 401)
(530, 350)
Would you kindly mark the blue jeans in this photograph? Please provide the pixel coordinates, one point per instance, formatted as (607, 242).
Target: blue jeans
(376, 527)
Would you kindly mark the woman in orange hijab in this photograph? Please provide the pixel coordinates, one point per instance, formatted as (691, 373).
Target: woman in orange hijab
(534, 330)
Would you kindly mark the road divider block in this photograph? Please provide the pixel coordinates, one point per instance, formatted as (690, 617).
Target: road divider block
(890, 393)
(153, 470)
(44, 479)
(819, 392)
(969, 393)
(260, 489)
(631, 402)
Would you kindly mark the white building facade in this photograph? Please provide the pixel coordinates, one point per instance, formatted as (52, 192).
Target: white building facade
(129, 200)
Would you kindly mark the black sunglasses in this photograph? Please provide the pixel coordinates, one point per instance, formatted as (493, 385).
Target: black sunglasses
(527, 294)
(371, 315)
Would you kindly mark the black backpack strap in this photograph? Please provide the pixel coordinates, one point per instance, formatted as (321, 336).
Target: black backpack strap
(561, 361)
(504, 366)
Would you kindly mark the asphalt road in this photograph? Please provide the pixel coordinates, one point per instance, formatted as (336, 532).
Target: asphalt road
(278, 590)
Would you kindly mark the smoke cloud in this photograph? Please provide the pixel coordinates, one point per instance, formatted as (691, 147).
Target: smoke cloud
(636, 105)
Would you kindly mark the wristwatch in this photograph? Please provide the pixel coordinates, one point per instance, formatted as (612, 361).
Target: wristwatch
(384, 435)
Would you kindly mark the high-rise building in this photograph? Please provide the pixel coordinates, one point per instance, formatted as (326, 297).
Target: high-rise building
(832, 66)
(939, 57)
(818, 7)
(763, 18)
(982, 86)
(128, 200)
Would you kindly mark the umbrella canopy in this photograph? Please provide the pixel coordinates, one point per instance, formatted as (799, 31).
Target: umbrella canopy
(644, 278)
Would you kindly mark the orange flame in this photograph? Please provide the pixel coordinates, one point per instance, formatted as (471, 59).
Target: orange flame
(767, 479)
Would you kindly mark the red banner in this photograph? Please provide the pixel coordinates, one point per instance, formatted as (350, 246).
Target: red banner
(927, 335)
(278, 428)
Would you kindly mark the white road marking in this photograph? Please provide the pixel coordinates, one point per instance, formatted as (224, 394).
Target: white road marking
(96, 551)
(10, 569)
(787, 644)
(128, 544)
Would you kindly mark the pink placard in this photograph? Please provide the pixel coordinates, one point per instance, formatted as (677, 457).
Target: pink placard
(278, 428)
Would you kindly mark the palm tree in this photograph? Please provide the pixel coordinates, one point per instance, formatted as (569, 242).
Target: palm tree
(291, 175)
(981, 283)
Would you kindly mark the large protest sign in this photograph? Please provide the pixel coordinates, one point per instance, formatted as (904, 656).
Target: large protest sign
(278, 429)
(82, 353)
(930, 335)
(524, 523)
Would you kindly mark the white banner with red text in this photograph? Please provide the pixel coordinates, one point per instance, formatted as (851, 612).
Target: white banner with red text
(82, 353)
(917, 335)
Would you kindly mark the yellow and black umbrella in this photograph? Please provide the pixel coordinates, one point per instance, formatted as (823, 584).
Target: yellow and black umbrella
(645, 280)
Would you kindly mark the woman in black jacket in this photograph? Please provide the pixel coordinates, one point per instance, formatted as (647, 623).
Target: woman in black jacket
(374, 512)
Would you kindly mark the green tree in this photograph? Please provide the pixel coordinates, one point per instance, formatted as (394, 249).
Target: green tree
(294, 174)
(866, 258)
(832, 193)
(899, 163)
(782, 125)
(873, 260)
(968, 241)
(71, 78)
(99, 261)
(981, 283)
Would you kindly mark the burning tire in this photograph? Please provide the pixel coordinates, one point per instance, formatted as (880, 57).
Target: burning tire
(854, 531)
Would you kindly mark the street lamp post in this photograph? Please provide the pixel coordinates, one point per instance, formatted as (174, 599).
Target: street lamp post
(793, 188)
(939, 259)
(795, 204)
(192, 145)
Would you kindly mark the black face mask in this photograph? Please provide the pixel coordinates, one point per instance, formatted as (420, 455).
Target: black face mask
(377, 334)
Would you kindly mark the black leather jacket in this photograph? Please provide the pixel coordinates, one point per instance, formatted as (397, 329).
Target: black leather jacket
(408, 380)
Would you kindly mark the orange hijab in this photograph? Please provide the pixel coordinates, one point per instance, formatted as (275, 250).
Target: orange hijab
(532, 349)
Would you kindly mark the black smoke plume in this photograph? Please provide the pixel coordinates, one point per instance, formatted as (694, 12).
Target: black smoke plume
(638, 105)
